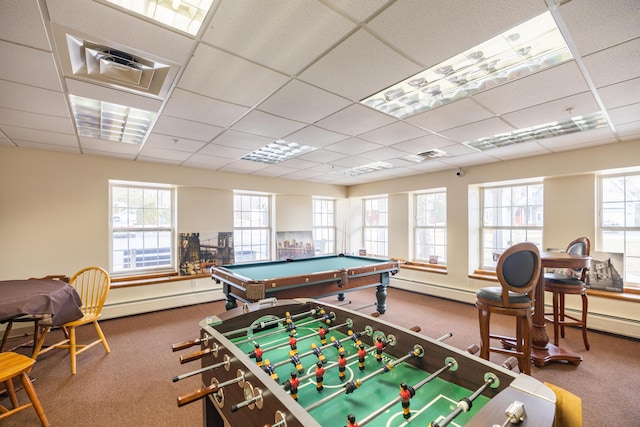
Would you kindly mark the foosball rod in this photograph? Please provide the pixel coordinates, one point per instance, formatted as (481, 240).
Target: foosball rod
(348, 358)
(464, 405)
(331, 316)
(262, 325)
(205, 391)
(225, 363)
(450, 364)
(273, 347)
(310, 352)
(417, 352)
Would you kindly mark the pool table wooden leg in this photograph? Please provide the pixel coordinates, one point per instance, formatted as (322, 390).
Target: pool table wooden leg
(381, 296)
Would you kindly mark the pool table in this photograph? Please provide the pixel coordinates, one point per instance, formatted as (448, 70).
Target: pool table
(305, 277)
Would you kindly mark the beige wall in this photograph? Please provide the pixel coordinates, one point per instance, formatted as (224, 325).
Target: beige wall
(54, 212)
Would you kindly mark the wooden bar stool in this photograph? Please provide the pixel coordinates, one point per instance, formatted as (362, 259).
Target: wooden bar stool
(518, 271)
(13, 365)
(571, 282)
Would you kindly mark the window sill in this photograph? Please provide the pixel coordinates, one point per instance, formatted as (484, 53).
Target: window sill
(152, 279)
(422, 266)
(627, 295)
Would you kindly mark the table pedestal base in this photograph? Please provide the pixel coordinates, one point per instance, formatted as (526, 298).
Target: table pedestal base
(552, 353)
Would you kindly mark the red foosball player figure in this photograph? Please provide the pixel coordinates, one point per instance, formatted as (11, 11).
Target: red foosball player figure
(406, 393)
(362, 353)
(257, 354)
(319, 376)
(321, 357)
(271, 370)
(351, 421)
(323, 335)
(293, 343)
(342, 365)
(291, 385)
(380, 346)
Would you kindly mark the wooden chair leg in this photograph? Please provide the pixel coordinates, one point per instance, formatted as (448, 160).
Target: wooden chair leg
(585, 310)
(102, 337)
(527, 327)
(5, 337)
(562, 316)
(31, 392)
(556, 318)
(484, 318)
(72, 349)
(12, 392)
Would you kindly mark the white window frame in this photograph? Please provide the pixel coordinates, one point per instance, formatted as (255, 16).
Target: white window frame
(619, 224)
(252, 230)
(517, 230)
(430, 220)
(324, 225)
(141, 228)
(375, 226)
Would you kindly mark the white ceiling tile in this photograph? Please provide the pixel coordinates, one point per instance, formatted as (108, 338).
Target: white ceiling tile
(156, 140)
(28, 98)
(559, 110)
(192, 106)
(290, 34)
(220, 75)
(383, 154)
(34, 67)
(626, 114)
(451, 115)
(243, 166)
(421, 144)
(577, 140)
(315, 136)
(163, 154)
(46, 146)
(354, 120)
(321, 156)
(222, 151)
(359, 10)
(266, 124)
(205, 161)
(21, 23)
(303, 102)
(352, 146)
(359, 67)
(242, 140)
(110, 147)
(615, 64)
(181, 128)
(393, 133)
(621, 94)
(595, 24)
(36, 135)
(476, 130)
(36, 121)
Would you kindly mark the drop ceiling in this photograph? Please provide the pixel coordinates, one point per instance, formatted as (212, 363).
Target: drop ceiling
(296, 70)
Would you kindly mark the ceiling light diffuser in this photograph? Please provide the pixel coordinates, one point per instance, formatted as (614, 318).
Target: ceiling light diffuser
(359, 170)
(111, 122)
(530, 47)
(277, 151)
(184, 15)
(548, 130)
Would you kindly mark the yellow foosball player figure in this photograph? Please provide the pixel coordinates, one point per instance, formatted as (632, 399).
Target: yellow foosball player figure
(271, 370)
(406, 393)
(321, 357)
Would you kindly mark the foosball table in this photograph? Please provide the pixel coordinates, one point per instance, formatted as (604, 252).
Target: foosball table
(307, 363)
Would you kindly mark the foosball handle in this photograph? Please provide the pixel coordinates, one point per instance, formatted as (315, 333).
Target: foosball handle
(197, 394)
(473, 349)
(194, 356)
(186, 344)
(510, 363)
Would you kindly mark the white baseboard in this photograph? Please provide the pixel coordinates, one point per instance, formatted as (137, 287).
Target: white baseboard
(595, 321)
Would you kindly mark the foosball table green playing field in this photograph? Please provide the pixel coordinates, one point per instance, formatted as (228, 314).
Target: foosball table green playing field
(306, 363)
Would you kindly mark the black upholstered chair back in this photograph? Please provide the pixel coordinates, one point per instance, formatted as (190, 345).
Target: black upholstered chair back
(518, 269)
(580, 246)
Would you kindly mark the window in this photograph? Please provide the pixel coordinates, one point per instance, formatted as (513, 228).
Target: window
(142, 228)
(252, 227)
(324, 229)
(619, 228)
(510, 215)
(431, 227)
(376, 226)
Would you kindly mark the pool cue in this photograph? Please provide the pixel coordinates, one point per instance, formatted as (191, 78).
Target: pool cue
(205, 391)
(225, 363)
(464, 405)
(450, 364)
(262, 325)
(417, 352)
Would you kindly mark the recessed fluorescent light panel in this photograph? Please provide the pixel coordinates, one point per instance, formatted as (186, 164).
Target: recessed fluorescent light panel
(184, 15)
(112, 122)
(530, 47)
(548, 130)
(359, 170)
(277, 151)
